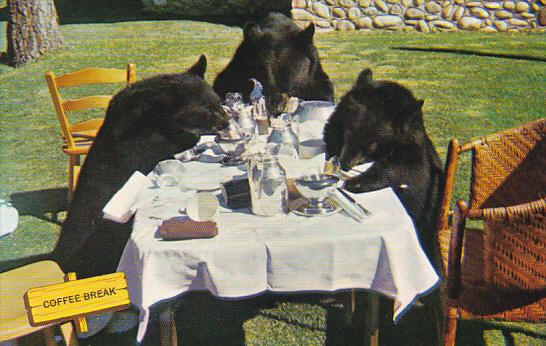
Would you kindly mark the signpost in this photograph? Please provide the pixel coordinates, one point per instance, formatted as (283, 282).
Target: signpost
(73, 299)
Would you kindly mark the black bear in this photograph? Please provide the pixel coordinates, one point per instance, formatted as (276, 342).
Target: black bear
(382, 122)
(145, 123)
(282, 57)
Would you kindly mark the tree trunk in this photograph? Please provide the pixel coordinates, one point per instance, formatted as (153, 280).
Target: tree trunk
(32, 30)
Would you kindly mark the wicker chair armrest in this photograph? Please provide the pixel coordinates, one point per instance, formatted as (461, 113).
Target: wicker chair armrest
(455, 249)
(524, 211)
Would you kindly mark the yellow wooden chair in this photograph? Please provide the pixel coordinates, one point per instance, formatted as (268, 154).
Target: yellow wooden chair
(78, 137)
(14, 321)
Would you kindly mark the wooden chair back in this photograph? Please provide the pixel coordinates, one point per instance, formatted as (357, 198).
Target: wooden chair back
(82, 77)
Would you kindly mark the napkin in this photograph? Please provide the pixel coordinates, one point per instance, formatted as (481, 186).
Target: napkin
(357, 170)
(123, 204)
(182, 227)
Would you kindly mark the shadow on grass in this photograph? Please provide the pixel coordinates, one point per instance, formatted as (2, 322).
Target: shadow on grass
(45, 205)
(470, 52)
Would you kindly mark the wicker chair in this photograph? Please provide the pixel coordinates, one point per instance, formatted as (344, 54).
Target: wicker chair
(498, 272)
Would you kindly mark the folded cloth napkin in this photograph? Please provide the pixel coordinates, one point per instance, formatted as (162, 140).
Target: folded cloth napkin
(182, 227)
(123, 204)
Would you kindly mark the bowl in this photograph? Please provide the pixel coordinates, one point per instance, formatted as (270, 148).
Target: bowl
(202, 207)
(315, 188)
(315, 110)
(311, 148)
(168, 173)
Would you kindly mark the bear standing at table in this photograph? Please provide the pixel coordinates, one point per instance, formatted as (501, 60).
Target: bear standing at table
(145, 123)
(382, 122)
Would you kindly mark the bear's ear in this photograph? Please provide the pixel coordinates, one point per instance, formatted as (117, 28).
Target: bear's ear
(365, 77)
(306, 35)
(199, 67)
(252, 31)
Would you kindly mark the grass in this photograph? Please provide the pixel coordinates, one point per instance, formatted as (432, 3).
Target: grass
(465, 96)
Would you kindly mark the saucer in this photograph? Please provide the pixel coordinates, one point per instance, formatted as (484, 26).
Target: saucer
(220, 139)
(302, 207)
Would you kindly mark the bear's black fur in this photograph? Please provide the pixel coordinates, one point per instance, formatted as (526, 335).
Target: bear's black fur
(145, 123)
(282, 57)
(382, 122)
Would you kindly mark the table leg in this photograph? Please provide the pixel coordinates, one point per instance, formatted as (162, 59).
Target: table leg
(167, 326)
(362, 314)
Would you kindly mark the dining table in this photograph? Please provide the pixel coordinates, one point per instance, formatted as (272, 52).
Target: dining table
(288, 253)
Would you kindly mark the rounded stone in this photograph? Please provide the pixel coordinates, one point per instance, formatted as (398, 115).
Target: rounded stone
(527, 15)
(364, 23)
(339, 13)
(479, 12)
(370, 11)
(397, 10)
(414, 13)
(518, 22)
(522, 7)
(501, 25)
(488, 29)
(321, 10)
(347, 3)
(422, 26)
(418, 2)
(345, 25)
(381, 5)
(447, 12)
(487, 22)
(331, 2)
(509, 5)
(299, 3)
(431, 17)
(469, 23)
(473, 4)
(301, 14)
(385, 21)
(459, 2)
(535, 7)
(364, 3)
(354, 13)
(323, 24)
(393, 1)
(433, 7)
(407, 3)
(503, 14)
(492, 5)
(411, 21)
(459, 12)
(443, 24)
(543, 2)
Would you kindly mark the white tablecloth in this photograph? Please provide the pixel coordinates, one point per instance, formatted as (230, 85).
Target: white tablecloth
(287, 253)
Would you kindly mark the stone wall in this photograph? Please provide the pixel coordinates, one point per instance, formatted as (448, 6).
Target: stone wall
(421, 15)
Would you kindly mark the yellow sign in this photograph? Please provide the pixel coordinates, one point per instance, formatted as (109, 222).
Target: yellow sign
(72, 299)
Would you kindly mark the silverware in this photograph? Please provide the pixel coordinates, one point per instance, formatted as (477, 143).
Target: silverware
(350, 199)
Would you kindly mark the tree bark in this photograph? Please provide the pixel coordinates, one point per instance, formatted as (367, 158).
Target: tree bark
(32, 30)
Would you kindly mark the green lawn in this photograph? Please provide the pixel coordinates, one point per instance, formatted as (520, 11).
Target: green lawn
(465, 96)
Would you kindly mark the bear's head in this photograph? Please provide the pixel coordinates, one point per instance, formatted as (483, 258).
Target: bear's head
(180, 106)
(374, 120)
(282, 57)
